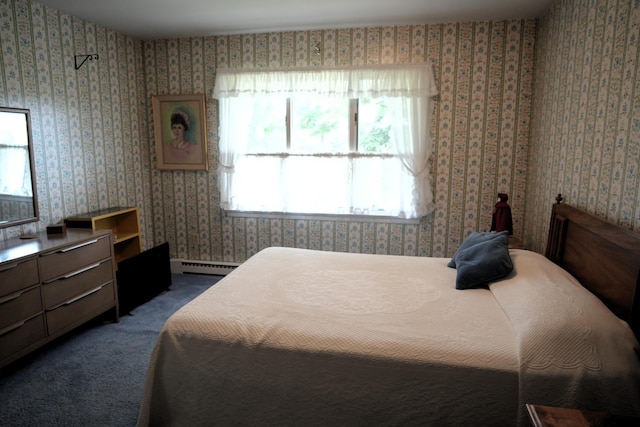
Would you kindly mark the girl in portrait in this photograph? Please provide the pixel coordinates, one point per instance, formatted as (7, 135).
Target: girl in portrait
(181, 148)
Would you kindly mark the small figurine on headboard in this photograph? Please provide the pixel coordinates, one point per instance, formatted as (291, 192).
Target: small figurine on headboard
(502, 215)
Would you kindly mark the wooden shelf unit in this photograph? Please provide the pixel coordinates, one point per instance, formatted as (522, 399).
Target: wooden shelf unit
(124, 223)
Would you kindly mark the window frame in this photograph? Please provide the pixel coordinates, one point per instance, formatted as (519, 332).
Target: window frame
(353, 125)
(412, 85)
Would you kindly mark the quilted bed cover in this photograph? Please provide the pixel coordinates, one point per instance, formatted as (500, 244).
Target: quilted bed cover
(303, 337)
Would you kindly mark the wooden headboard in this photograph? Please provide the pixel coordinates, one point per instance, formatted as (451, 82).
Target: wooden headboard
(603, 256)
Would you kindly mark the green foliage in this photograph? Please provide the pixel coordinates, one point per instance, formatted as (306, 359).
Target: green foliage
(320, 125)
(377, 140)
(373, 130)
(318, 119)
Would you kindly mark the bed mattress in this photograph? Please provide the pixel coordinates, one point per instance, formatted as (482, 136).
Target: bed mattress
(302, 337)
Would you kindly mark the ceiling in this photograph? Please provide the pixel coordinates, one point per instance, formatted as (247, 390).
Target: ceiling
(158, 19)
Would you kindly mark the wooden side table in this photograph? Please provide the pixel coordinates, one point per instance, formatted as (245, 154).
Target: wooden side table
(549, 416)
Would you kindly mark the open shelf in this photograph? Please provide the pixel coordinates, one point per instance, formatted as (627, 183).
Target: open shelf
(124, 223)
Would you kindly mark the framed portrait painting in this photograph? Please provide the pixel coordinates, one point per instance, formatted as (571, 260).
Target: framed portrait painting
(179, 123)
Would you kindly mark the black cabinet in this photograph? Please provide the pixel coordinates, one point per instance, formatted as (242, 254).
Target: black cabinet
(143, 276)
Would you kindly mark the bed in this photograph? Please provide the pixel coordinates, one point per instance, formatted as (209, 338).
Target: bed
(302, 337)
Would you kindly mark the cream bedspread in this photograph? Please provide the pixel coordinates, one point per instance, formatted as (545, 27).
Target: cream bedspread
(301, 337)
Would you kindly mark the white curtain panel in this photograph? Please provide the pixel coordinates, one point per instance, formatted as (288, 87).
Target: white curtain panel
(398, 185)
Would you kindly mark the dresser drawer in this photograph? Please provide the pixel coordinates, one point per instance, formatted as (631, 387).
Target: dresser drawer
(19, 306)
(22, 336)
(78, 310)
(74, 257)
(76, 283)
(18, 275)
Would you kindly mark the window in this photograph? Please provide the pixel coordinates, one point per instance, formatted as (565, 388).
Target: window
(326, 142)
(14, 158)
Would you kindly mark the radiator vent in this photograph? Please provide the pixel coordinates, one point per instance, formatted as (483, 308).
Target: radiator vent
(216, 268)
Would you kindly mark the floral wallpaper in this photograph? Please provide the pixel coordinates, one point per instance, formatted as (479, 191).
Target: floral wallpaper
(485, 76)
(498, 125)
(585, 133)
(88, 125)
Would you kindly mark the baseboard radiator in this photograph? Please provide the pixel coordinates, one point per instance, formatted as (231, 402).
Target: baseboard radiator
(215, 268)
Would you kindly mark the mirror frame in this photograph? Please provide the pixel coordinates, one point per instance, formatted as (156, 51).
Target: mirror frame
(36, 214)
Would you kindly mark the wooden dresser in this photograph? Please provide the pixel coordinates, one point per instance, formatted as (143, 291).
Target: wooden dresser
(51, 284)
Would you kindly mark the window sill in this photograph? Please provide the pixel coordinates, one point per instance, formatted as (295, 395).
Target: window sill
(323, 217)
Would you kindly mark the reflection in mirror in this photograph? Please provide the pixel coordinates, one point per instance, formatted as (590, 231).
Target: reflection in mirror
(18, 199)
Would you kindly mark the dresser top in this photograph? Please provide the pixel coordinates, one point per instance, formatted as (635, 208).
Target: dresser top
(14, 249)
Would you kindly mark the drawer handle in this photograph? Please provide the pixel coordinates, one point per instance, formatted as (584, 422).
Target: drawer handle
(9, 267)
(75, 273)
(82, 270)
(79, 297)
(13, 327)
(72, 248)
(12, 297)
(62, 251)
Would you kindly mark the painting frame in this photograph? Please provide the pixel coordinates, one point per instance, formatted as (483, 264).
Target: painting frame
(180, 132)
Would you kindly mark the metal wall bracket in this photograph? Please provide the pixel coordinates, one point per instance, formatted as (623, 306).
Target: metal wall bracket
(84, 58)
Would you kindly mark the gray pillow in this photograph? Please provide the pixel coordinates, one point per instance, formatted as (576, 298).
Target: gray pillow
(482, 258)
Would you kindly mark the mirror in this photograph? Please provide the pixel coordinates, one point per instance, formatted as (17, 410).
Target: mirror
(18, 199)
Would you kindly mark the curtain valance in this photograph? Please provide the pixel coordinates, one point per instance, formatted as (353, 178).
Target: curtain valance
(353, 82)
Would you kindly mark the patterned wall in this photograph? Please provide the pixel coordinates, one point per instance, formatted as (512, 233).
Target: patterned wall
(585, 137)
(94, 130)
(91, 151)
(485, 76)
(93, 127)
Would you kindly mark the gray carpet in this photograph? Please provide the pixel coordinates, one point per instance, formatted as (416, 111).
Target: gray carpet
(94, 376)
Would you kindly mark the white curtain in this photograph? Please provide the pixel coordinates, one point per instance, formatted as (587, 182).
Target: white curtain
(233, 141)
(15, 179)
(356, 184)
(413, 145)
(352, 82)
(340, 184)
